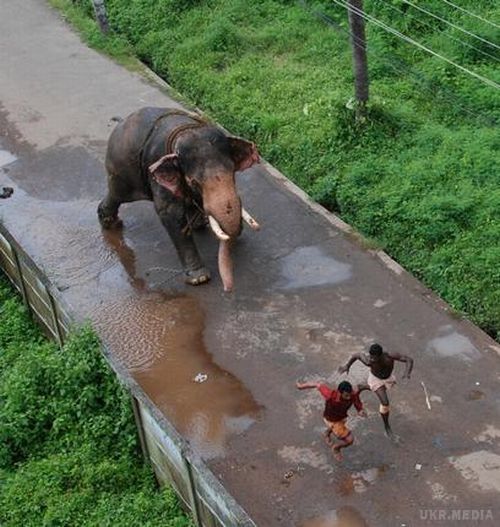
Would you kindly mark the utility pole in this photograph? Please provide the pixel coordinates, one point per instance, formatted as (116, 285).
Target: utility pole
(101, 16)
(359, 59)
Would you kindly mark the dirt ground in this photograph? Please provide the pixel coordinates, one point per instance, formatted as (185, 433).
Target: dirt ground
(307, 296)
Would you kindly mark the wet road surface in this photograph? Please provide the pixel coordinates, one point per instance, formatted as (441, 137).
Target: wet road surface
(222, 366)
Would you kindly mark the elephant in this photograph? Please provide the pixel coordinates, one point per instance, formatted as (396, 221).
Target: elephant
(186, 166)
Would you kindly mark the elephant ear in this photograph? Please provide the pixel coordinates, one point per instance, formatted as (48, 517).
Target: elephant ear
(243, 152)
(166, 173)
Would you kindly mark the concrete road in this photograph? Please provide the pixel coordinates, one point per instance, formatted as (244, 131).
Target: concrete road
(308, 294)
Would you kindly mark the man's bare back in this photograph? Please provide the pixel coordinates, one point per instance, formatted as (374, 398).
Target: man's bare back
(381, 365)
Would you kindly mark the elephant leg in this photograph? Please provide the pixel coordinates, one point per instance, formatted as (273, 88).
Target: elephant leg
(107, 212)
(173, 218)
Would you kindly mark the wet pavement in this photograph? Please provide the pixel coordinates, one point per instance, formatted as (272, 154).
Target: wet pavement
(222, 366)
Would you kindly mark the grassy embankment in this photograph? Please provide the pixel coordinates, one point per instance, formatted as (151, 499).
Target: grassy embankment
(419, 178)
(68, 448)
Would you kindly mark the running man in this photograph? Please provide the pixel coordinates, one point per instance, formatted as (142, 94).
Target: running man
(337, 403)
(381, 376)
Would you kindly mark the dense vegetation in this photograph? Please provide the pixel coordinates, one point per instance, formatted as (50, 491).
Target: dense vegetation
(420, 176)
(68, 450)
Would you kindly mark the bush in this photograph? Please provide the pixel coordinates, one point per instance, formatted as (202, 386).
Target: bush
(68, 446)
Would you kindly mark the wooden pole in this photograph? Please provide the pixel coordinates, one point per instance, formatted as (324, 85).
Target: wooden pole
(101, 16)
(55, 318)
(193, 498)
(359, 58)
(20, 276)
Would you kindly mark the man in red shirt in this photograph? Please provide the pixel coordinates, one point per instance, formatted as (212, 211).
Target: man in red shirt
(337, 403)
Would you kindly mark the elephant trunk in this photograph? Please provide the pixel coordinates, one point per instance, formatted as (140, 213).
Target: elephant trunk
(225, 214)
(223, 208)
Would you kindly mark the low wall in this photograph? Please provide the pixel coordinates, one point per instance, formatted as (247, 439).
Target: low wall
(169, 454)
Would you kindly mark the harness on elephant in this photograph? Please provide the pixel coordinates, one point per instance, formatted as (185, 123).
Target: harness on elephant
(176, 132)
(172, 136)
(169, 149)
(180, 129)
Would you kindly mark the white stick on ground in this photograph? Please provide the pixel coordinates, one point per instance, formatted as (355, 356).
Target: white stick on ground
(427, 400)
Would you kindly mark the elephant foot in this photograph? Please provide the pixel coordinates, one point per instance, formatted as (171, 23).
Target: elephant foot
(197, 277)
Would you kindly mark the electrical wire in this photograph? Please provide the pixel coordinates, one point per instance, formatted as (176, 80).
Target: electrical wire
(429, 13)
(471, 14)
(408, 39)
(402, 68)
(448, 36)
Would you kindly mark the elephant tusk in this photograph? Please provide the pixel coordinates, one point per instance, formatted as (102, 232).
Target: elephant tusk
(246, 217)
(214, 225)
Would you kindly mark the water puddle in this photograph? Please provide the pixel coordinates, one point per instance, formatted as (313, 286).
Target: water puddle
(160, 339)
(63, 173)
(341, 517)
(454, 345)
(310, 266)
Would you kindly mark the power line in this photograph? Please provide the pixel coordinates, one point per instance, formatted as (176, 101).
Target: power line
(408, 39)
(451, 24)
(357, 42)
(471, 14)
(401, 67)
(448, 36)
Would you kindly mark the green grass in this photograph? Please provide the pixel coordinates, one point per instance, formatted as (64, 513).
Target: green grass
(68, 447)
(420, 176)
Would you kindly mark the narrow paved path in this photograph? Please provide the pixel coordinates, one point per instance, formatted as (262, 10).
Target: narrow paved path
(307, 296)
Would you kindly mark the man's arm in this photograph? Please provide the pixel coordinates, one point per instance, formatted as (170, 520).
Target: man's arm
(306, 385)
(351, 361)
(403, 358)
(323, 389)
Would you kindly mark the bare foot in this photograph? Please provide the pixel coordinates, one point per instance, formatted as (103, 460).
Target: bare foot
(326, 437)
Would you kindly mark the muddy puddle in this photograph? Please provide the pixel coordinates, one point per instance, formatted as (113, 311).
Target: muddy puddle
(342, 517)
(160, 338)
